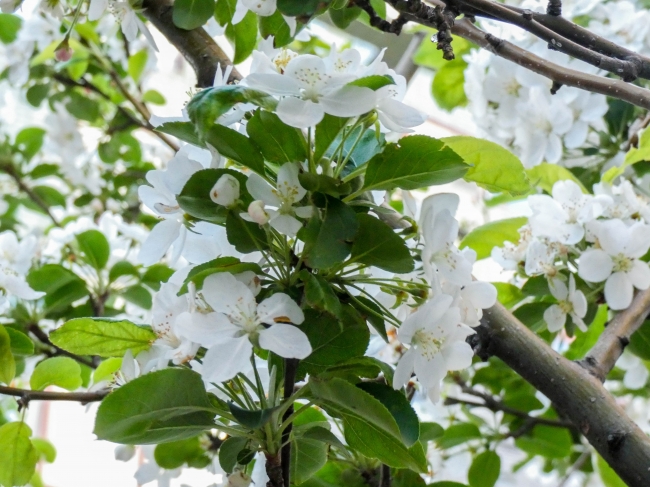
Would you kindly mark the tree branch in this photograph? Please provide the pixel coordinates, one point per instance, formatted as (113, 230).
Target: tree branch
(200, 50)
(26, 395)
(575, 393)
(610, 345)
(35, 330)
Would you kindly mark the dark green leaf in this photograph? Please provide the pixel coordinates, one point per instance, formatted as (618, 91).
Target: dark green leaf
(277, 142)
(457, 434)
(245, 236)
(430, 432)
(296, 8)
(229, 451)
(37, 93)
(122, 268)
(138, 295)
(244, 37)
(95, 248)
(376, 244)
(640, 341)
(546, 441)
(419, 161)
(191, 14)
(342, 18)
(29, 141)
(373, 314)
(485, 470)
(307, 457)
(327, 130)
(182, 130)
(224, 11)
(320, 183)
(49, 196)
(236, 146)
(275, 25)
(249, 418)
(175, 454)
(143, 411)
(323, 434)
(62, 286)
(319, 294)
(221, 264)
(195, 198)
(21, 344)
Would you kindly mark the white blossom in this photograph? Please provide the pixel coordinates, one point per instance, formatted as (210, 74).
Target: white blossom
(571, 302)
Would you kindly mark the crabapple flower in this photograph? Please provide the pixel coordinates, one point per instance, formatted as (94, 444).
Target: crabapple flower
(570, 302)
(124, 453)
(235, 323)
(541, 258)
(471, 299)
(12, 284)
(125, 15)
(225, 191)
(289, 192)
(437, 344)
(510, 255)
(309, 90)
(617, 261)
(563, 216)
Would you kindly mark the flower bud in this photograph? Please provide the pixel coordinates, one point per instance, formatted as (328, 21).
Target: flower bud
(225, 192)
(63, 51)
(238, 479)
(257, 212)
(124, 453)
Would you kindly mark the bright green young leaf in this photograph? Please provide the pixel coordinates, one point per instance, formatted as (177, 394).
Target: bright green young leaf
(640, 153)
(244, 36)
(136, 64)
(95, 247)
(373, 82)
(399, 407)
(429, 56)
(103, 337)
(485, 470)
(18, 456)
(609, 477)
(144, 411)
(195, 198)
(493, 167)
(7, 362)
(585, 341)
(45, 449)
(21, 344)
(224, 11)
(56, 371)
(107, 369)
(457, 434)
(448, 87)
(369, 426)
(418, 161)
(376, 244)
(546, 175)
(447, 483)
(9, 27)
(191, 14)
(153, 96)
(236, 146)
(508, 294)
(484, 238)
(307, 457)
(278, 142)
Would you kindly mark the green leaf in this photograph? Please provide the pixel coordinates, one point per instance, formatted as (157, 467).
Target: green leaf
(175, 454)
(342, 18)
(7, 362)
(494, 168)
(153, 96)
(18, 456)
(295, 8)
(138, 295)
(307, 458)
(419, 161)
(107, 369)
(195, 198)
(640, 153)
(209, 104)
(62, 286)
(102, 336)
(399, 407)
(155, 275)
(430, 432)
(447, 483)
(448, 87)
(245, 236)
(546, 175)
(369, 426)
(9, 27)
(333, 340)
(45, 449)
(244, 37)
(373, 314)
(49, 196)
(319, 294)
(374, 82)
(275, 25)
(29, 141)
(56, 371)
(136, 64)
(224, 11)
(485, 470)
(82, 107)
(322, 434)
(585, 341)
(508, 294)
(607, 474)
(546, 441)
(21, 344)
(221, 264)
(36, 93)
(328, 241)
(327, 131)
(457, 434)
(95, 247)
(278, 142)
(320, 183)
(122, 268)
(144, 412)
(229, 451)
(484, 238)
(429, 56)
(185, 131)
(253, 419)
(376, 244)
(640, 341)
(192, 14)
(236, 146)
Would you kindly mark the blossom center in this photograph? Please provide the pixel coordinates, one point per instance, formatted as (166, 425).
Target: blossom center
(622, 263)
(426, 342)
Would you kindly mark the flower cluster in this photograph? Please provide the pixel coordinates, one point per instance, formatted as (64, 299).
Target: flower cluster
(15, 260)
(583, 243)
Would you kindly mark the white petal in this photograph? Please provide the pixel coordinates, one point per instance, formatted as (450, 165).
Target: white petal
(285, 224)
(288, 183)
(595, 265)
(205, 329)
(261, 190)
(458, 355)
(280, 308)
(299, 113)
(225, 360)
(579, 302)
(286, 341)
(555, 318)
(96, 9)
(349, 101)
(263, 8)
(398, 116)
(558, 289)
(618, 291)
(639, 275)
(404, 369)
(636, 377)
(273, 83)
(481, 294)
(225, 294)
(427, 314)
(162, 236)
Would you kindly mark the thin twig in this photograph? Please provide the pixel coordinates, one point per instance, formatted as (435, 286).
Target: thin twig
(26, 395)
(610, 345)
(582, 459)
